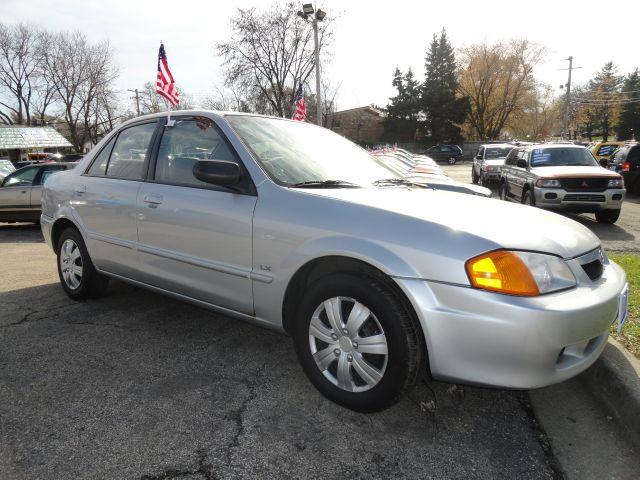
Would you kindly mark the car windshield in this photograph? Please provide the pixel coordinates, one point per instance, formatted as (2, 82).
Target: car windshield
(493, 153)
(297, 153)
(561, 157)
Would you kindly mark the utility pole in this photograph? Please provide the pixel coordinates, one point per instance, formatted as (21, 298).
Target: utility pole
(567, 107)
(137, 97)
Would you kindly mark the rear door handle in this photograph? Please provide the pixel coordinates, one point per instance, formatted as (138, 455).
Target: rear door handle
(152, 199)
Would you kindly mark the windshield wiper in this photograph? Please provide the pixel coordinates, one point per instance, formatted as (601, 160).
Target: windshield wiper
(397, 181)
(324, 184)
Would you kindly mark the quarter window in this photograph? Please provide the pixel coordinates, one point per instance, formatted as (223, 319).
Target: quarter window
(186, 143)
(99, 165)
(130, 152)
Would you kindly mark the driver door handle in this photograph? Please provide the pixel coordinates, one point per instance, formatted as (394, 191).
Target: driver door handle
(152, 199)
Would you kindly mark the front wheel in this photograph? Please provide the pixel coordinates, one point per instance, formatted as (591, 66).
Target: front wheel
(474, 175)
(452, 160)
(356, 342)
(527, 198)
(78, 276)
(608, 216)
(502, 191)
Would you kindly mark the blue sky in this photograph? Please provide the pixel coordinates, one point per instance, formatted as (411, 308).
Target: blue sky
(371, 38)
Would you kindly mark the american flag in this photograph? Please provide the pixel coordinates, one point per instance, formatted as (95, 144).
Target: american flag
(301, 110)
(165, 85)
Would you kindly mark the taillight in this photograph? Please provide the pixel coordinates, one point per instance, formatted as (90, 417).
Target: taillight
(625, 167)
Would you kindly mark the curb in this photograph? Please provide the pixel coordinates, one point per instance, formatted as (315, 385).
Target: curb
(614, 379)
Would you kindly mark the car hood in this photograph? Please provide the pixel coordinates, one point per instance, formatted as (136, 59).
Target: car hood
(559, 172)
(506, 225)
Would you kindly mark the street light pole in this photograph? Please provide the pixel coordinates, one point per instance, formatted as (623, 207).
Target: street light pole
(568, 106)
(318, 16)
(317, 58)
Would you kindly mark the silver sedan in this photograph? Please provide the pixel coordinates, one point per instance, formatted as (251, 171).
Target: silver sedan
(292, 227)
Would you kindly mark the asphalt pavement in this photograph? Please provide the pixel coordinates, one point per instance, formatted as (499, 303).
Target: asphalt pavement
(139, 386)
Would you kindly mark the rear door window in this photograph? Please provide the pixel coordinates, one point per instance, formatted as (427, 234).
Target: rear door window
(21, 177)
(130, 152)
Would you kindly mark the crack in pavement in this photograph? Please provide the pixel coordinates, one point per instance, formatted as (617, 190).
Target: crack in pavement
(203, 469)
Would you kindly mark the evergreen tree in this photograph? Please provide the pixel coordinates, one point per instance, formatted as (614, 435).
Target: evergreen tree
(444, 111)
(403, 110)
(599, 107)
(629, 119)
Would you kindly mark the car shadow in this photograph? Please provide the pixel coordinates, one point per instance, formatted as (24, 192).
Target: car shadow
(20, 233)
(604, 231)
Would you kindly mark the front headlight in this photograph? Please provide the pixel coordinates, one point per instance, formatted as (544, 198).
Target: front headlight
(519, 273)
(616, 183)
(548, 183)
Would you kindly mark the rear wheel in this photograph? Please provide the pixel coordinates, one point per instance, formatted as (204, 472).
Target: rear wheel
(78, 276)
(502, 191)
(474, 175)
(608, 216)
(356, 342)
(452, 160)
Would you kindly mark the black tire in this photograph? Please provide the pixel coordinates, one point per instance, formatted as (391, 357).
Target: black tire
(91, 284)
(481, 180)
(474, 176)
(502, 191)
(608, 216)
(403, 340)
(452, 160)
(528, 199)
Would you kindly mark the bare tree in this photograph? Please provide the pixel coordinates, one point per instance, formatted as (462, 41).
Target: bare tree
(269, 54)
(81, 74)
(497, 79)
(19, 69)
(152, 102)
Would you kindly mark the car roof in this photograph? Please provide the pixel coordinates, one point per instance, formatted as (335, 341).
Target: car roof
(499, 145)
(536, 146)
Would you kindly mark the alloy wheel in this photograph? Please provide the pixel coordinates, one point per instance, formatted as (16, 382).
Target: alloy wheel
(71, 264)
(348, 344)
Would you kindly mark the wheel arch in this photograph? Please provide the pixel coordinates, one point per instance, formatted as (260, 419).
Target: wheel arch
(321, 267)
(59, 226)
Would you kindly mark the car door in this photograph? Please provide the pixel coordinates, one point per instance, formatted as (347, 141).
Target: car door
(15, 192)
(507, 170)
(105, 198)
(196, 238)
(478, 161)
(519, 174)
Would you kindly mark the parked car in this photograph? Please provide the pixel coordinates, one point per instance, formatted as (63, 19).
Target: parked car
(21, 191)
(604, 151)
(488, 162)
(6, 167)
(72, 157)
(562, 177)
(626, 161)
(445, 153)
(288, 225)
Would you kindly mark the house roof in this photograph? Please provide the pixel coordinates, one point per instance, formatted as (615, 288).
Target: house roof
(21, 137)
(368, 108)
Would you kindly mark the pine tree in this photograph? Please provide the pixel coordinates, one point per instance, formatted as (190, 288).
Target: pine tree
(403, 110)
(629, 119)
(600, 93)
(443, 109)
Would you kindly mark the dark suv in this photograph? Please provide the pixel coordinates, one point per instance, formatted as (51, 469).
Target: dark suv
(626, 161)
(445, 153)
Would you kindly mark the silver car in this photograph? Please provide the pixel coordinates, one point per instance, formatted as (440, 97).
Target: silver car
(488, 162)
(289, 226)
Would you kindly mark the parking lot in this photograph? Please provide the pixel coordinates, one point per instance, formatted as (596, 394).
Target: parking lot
(136, 385)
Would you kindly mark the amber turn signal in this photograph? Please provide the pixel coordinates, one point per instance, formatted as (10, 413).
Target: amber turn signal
(501, 271)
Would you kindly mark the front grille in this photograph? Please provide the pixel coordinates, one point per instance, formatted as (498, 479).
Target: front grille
(584, 184)
(593, 269)
(574, 197)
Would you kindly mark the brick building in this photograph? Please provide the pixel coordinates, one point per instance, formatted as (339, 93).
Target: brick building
(361, 124)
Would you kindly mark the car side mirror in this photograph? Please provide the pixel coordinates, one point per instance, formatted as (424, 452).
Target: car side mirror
(521, 163)
(217, 172)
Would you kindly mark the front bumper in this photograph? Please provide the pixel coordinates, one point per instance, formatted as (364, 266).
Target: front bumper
(493, 176)
(560, 199)
(486, 338)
